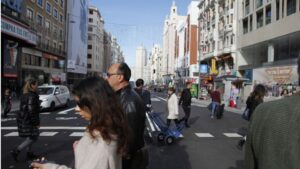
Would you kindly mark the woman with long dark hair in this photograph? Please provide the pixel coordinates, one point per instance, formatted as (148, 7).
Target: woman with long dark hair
(28, 119)
(105, 140)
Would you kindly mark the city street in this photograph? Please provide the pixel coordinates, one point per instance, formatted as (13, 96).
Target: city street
(208, 144)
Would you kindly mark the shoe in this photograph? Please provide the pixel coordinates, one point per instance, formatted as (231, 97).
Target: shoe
(15, 154)
(31, 156)
(212, 117)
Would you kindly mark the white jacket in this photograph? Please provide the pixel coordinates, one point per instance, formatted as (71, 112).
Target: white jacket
(93, 154)
(173, 107)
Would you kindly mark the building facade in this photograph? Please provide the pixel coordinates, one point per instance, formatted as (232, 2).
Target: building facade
(95, 56)
(107, 41)
(156, 64)
(140, 61)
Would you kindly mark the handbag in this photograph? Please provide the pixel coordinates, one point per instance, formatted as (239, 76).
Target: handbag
(245, 114)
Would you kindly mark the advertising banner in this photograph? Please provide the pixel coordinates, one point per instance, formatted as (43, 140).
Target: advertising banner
(275, 75)
(10, 55)
(77, 16)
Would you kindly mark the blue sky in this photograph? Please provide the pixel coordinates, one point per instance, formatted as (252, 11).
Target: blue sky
(136, 22)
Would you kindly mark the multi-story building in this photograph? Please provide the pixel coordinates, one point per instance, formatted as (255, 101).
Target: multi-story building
(16, 35)
(140, 61)
(156, 64)
(46, 61)
(269, 36)
(95, 56)
(107, 40)
(169, 36)
(117, 54)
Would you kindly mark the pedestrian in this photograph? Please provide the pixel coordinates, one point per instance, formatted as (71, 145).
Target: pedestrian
(118, 76)
(186, 100)
(255, 98)
(172, 102)
(6, 103)
(273, 137)
(284, 93)
(144, 94)
(28, 120)
(105, 139)
(215, 102)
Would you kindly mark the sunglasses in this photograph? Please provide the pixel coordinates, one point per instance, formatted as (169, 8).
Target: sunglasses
(111, 74)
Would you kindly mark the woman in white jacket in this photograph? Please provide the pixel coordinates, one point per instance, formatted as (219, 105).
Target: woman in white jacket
(106, 136)
(172, 107)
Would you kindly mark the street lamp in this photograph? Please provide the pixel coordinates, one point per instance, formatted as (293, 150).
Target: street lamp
(67, 45)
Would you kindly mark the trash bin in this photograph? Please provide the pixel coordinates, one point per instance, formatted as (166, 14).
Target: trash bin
(238, 103)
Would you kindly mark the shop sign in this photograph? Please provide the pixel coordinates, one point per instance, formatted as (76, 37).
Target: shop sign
(204, 68)
(274, 75)
(18, 31)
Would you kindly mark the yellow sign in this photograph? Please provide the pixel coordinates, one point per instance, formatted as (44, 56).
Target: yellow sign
(213, 69)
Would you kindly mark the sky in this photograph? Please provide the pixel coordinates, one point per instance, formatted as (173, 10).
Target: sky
(136, 22)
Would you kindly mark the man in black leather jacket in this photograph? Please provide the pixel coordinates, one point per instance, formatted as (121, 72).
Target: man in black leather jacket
(186, 100)
(118, 76)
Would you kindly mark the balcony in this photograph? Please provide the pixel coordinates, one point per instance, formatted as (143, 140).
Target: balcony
(49, 49)
(228, 28)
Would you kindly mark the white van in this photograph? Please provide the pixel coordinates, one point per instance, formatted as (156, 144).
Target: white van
(52, 96)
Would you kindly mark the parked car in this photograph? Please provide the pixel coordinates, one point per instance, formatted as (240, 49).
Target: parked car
(52, 96)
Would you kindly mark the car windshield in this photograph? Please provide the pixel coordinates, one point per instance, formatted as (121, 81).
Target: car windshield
(45, 90)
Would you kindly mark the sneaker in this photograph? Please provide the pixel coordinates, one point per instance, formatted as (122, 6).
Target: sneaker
(212, 117)
(15, 154)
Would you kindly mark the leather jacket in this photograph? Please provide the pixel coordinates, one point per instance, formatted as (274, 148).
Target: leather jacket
(186, 97)
(134, 109)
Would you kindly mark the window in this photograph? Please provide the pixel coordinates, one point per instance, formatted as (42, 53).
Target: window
(61, 18)
(39, 38)
(91, 20)
(60, 34)
(250, 24)
(47, 25)
(247, 7)
(268, 14)
(90, 37)
(39, 20)
(291, 7)
(56, 1)
(29, 14)
(277, 9)
(90, 28)
(259, 3)
(54, 45)
(55, 13)
(245, 25)
(40, 3)
(89, 56)
(89, 46)
(89, 66)
(91, 12)
(48, 8)
(62, 3)
(259, 19)
(55, 29)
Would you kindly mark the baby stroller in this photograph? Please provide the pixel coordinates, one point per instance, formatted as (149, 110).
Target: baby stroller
(166, 134)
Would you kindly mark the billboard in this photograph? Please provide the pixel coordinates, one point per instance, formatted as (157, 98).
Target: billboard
(77, 15)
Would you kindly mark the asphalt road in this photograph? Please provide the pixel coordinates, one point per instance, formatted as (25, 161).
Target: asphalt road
(208, 144)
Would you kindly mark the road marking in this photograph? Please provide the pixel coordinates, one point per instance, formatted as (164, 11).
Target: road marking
(12, 134)
(203, 135)
(7, 119)
(48, 133)
(49, 128)
(162, 98)
(77, 134)
(232, 135)
(155, 99)
(45, 113)
(149, 132)
(66, 111)
(66, 118)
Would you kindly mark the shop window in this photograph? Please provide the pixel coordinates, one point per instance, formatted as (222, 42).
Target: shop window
(291, 7)
(268, 14)
(259, 19)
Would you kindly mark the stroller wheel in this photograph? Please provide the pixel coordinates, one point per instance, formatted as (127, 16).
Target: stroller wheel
(169, 140)
(160, 137)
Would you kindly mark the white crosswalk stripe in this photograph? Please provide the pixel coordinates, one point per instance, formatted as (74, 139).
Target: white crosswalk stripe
(48, 133)
(11, 134)
(77, 134)
(203, 135)
(155, 100)
(66, 111)
(232, 135)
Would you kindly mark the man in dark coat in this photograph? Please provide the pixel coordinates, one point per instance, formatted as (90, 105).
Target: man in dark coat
(186, 100)
(273, 140)
(145, 94)
(118, 76)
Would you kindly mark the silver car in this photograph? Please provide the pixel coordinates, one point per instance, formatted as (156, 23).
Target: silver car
(52, 96)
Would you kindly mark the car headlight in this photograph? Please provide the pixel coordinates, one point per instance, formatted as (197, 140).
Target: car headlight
(44, 100)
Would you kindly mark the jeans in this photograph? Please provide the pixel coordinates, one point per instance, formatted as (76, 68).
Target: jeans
(214, 107)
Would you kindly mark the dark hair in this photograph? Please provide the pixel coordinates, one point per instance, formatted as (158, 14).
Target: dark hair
(28, 85)
(96, 95)
(125, 71)
(284, 90)
(139, 82)
(258, 92)
(171, 89)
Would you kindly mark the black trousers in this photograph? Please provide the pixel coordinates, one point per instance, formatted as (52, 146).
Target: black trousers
(187, 112)
(169, 122)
